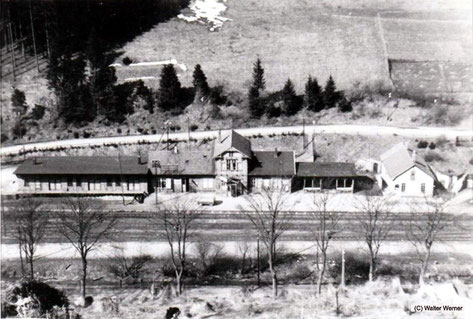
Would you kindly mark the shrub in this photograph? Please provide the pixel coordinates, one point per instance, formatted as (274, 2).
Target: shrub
(37, 113)
(432, 145)
(127, 61)
(441, 141)
(356, 267)
(422, 144)
(119, 130)
(194, 127)
(299, 272)
(86, 134)
(76, 135)
(3, 137)
(433, 157)
(42, 298)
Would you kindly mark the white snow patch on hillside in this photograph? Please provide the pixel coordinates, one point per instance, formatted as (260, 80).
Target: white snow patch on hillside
(207, 12)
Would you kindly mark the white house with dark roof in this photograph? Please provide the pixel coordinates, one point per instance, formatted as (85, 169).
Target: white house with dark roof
(405, 173)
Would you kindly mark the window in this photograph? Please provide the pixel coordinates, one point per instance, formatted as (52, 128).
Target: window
(413, 175)
(54, 185)
(118, 181)
(375, 167)
(396, 187)
(422, 187)
(78, 182)
(231, 164)
(109, 182)
(253, 183)
(208, 183)
(132, 185)
(27, 182)
(69, 182)
(403, 187)
(38, 185)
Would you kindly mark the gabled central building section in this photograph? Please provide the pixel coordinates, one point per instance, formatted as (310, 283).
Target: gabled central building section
(232, 155)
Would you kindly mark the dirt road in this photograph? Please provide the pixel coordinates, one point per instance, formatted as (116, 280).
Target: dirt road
(365, 130)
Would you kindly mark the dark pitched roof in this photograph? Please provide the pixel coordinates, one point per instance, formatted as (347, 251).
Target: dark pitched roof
(326, 169)
(82, 165)
(184, 162)
(266, 163)
(232, 141)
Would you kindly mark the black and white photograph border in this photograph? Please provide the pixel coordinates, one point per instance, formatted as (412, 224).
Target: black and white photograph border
(236, 159)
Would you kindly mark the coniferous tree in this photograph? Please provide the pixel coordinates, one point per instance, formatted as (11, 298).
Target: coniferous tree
(313, 99)
(258, 76)
(169, 89)
(331, 95)
(18, 101)
(289, 99)
(201, 86)
(256, 101)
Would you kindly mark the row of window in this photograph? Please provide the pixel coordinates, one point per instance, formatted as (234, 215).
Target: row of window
(403, 187)
(79, 183)
(181, 184)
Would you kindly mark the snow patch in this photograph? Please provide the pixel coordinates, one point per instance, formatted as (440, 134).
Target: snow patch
(207, 12)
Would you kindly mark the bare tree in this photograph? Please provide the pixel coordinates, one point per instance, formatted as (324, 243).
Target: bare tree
(30, 225)
(271, 218)
(326, 226)
(84, 223)
(424, 224)
(374, 223)
(176, 220)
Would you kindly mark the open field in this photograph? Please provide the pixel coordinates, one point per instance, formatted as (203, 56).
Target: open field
(350, 41)
(294, 39)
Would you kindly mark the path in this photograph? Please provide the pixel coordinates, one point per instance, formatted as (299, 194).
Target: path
(365, 130)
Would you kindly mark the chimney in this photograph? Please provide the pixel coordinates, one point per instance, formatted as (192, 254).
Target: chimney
(276, 153)
(175, 149)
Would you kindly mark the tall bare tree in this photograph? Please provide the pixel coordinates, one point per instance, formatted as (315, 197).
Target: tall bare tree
(326, 226)
(31, 224)
(424, 224)
(84, 223)
(174, 221)
(271, 217)
(374, 223)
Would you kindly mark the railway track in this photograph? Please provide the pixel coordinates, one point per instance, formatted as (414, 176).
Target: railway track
(235, 226)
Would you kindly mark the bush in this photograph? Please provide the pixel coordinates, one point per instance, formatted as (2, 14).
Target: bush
(127, 61)
(76, 135)
(194, 127)
(37, 113)
(86, 134)
(433, 157)
(43, 299)
(432, 145)
(3, 138)
(119, 130)
(422, 144)
(356, 267)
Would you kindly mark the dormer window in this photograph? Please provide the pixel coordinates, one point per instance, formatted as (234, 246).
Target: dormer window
(231, 164)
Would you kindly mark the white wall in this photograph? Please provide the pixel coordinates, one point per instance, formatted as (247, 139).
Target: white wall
(412, 187)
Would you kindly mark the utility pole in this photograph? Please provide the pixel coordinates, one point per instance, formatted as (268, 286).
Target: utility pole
(257, 257)
(342, 283)
(188, 130)
(121, 176)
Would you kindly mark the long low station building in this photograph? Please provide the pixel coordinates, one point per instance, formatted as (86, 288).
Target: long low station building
(229, 167)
